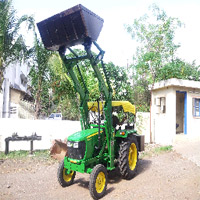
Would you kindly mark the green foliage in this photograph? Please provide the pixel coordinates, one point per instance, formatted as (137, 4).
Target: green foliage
(156, 58)
(141, 93)
(64, 97)
(14, 154)
(163, 149)
(155, 32)
(179, 69)
(43, 154)
(120, 82)
(155, 150)
(39, 75)
(12, 44)
(61, 83)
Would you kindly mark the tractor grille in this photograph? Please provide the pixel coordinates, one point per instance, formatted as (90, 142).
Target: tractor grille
(76, 150)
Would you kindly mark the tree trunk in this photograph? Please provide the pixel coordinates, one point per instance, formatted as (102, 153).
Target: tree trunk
(37, 100)
(1, 75)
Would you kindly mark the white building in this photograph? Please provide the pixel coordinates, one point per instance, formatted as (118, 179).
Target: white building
(13, 90)
(175, 109)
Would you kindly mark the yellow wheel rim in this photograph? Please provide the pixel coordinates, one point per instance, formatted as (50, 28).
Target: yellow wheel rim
(67, 177)
(132, 156)
(100, 182)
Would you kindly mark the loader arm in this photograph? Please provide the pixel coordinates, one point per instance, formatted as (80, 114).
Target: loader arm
(104, 87)
(107, 91)
(83, 92)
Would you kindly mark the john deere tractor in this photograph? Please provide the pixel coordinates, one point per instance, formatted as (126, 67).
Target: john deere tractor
(104, 143)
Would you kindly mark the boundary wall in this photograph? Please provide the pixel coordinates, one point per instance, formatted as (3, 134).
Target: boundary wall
(48, 129)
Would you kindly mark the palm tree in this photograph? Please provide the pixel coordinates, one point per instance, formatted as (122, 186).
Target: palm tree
(39, 75)
(12, 44)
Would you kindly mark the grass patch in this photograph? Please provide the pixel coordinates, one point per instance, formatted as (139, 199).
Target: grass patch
(40, 154)
(163, 149)
(155, 150)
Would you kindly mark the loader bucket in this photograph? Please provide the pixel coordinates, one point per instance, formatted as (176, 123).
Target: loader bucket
(70, 27)
(58, 150)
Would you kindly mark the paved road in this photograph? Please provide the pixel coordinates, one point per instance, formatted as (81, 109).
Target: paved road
(188, 147)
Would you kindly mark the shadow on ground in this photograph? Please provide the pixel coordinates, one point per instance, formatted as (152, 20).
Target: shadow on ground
(143, 165)
(114, 176)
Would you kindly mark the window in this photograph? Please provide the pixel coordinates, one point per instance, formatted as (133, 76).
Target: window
(23, 79)
(160, 103)
(196, 107)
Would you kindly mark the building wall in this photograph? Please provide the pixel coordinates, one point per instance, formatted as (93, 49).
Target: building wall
(48, 129)
(163, 123)
(15, 79)
(143, 125)
(193, 123)
(13, 72)
(1, 104)
(15, 96)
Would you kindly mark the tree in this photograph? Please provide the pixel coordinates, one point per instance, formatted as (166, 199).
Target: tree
(179, 69)
(141, 95)
(156, 34)
(120, 82)
(156, 57)
(64, 97)
(40, 79)
(12, 44)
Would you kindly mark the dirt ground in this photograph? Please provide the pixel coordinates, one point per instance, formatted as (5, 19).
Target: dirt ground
(165, 176)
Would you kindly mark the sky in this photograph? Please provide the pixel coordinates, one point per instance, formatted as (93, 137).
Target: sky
(114, 39)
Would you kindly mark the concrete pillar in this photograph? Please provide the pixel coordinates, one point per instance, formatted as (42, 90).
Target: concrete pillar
(6, 99)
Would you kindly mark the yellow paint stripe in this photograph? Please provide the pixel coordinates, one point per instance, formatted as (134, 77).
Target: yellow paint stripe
(73, 161)
(93, 134)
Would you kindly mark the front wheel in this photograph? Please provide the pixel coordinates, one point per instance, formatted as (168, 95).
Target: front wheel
(128, 157)
(65, 178)
(98, 181)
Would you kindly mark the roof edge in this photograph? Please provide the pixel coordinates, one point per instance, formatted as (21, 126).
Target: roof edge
(176, 82)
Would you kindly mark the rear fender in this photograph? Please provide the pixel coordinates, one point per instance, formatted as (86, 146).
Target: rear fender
(124, 133)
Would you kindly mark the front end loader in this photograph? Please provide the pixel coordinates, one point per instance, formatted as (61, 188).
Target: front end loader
(100, 146)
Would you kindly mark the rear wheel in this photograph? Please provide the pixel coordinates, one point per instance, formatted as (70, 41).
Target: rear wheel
(128, 157)
(98, 181)
(65, 178)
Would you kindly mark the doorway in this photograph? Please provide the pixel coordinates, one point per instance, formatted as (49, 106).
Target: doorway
(181, 112)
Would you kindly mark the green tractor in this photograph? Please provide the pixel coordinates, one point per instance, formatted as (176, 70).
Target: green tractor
(104, 143)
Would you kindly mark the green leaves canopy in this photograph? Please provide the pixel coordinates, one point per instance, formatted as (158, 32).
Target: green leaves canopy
(64, 95)
(40, 79)
(155, 33)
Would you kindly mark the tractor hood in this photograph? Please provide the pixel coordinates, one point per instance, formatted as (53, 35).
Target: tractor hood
(82, 135)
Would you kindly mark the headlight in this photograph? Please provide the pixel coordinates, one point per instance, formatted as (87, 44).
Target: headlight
(75, 145)
(69, 144)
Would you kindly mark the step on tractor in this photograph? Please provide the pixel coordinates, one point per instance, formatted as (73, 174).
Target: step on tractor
(108, 139)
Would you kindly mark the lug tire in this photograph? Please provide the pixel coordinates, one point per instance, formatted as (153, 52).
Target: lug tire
(98, 181)
(64, 179)
(128, 157)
